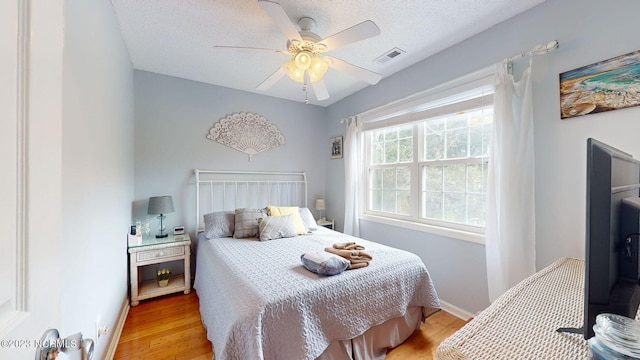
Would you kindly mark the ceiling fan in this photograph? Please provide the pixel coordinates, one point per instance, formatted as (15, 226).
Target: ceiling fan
(308, 64)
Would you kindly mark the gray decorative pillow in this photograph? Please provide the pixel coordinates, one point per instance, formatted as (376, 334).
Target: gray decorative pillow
(324, 263)
(246, 224)
(219, 224)
(308, 220)
(277, 227)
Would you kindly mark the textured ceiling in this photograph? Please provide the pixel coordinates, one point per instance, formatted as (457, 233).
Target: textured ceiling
(177, 37)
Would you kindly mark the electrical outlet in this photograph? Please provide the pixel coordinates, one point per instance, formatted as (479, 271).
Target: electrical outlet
(101, 330)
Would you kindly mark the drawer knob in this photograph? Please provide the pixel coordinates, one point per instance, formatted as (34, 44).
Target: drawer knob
(160, 253)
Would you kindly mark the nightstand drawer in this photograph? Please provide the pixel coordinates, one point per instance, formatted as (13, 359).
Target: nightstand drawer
(160, 253)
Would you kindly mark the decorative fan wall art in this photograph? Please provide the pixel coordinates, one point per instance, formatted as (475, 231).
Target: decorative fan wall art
(246, 132)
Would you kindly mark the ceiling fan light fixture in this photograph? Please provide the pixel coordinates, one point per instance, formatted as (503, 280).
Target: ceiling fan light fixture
(303, 60)
(317, 69)
(307, 63)
(293, 71)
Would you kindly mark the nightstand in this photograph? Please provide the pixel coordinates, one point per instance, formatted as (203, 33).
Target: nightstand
(155, 251)
(326, 223)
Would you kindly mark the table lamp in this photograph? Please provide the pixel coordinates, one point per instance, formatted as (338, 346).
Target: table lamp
(320, 205)
(160, 205)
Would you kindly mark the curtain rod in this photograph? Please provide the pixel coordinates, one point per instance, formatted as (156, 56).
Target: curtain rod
(344, 120)
(541, 49)
(537, 50)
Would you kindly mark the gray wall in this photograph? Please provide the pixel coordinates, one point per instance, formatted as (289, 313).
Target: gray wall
(97, 170)
(588, 31)
(173, 117)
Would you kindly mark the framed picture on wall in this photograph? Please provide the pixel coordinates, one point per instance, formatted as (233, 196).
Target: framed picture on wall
(604, 86)
(336, 147)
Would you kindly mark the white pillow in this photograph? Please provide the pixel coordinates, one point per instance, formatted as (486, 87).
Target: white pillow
(294, 211)
(308, 220)
(276, 227)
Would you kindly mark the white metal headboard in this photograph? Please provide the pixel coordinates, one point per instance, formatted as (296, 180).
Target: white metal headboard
(227, 190)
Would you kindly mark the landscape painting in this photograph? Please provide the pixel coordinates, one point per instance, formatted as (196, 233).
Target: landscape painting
(606, 85)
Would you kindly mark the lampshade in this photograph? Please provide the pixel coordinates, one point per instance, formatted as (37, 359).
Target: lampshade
(160, 205)
(320, 205)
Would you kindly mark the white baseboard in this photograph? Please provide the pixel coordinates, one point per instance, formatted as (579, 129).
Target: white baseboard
(456, 311)
(117, 331)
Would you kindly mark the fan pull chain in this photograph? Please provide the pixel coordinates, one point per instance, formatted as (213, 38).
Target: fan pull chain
(306, 95)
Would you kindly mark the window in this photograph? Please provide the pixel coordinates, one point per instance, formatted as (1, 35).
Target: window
(390, 171)
(430, 165)
(454, 167)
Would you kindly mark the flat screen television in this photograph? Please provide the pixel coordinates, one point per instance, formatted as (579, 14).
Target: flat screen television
(612, 272)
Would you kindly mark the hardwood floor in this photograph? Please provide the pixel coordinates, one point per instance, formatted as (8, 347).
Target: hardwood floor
(169, 328)
(165, 328)
(422, 344)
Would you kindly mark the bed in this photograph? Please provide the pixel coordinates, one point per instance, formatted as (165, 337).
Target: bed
(257, 301)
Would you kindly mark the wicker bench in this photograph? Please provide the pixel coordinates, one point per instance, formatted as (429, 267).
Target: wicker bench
(522, 323)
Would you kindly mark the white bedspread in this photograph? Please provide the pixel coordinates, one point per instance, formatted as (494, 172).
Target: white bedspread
(258, 302)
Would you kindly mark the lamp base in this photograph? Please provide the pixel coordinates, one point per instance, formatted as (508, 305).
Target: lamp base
(161, 233)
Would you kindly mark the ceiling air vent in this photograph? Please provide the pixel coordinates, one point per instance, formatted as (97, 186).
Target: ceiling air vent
(389, 55)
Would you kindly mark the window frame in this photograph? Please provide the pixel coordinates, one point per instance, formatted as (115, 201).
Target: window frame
(415, 111)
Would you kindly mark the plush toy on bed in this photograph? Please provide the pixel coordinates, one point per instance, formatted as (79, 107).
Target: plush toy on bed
(323, 263)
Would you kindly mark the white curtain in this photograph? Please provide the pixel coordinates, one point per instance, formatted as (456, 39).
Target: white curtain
(510, 227)
(351, 168)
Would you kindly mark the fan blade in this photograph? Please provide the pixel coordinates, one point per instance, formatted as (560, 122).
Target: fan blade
(272, 79)
(353, 70)
(320, 89)
(364, 30)
(280, 18)
(253, 48)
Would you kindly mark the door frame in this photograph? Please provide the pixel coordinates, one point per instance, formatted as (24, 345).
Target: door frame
(34, 37)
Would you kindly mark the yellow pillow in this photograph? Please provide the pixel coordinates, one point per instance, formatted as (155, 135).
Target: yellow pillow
(295, 215)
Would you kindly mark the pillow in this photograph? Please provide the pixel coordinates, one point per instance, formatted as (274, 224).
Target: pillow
(246, 224)
(219, 224)
(276, 227)
(324, 263)
(308, 220)
(289, 210)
